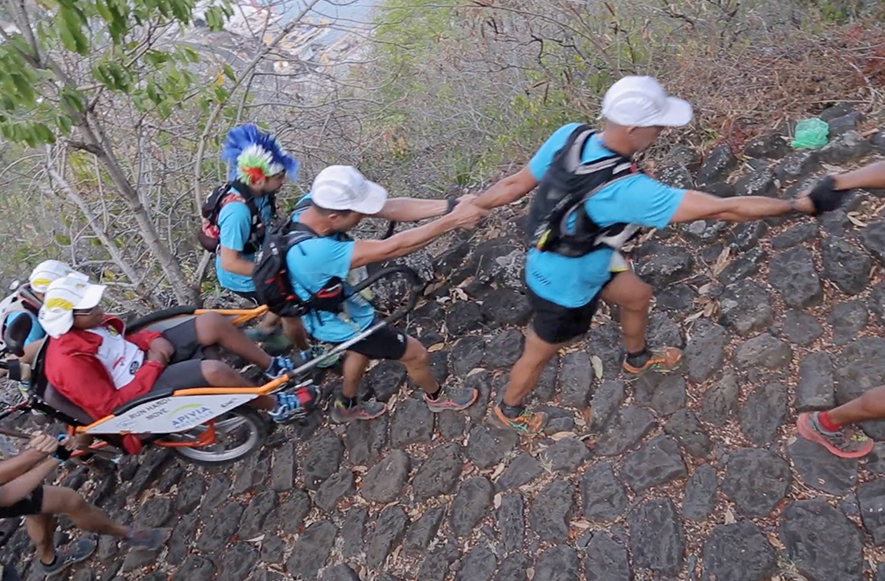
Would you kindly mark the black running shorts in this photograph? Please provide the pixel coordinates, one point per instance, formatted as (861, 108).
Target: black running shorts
(557, 324)
(388, 342)
(185, 369)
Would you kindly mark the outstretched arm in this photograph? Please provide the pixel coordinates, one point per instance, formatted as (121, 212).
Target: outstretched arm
(870, 176)
(18, 465)
(507, 190)
(465, 215)
(701, 206)
(20, 487)
(411, 209)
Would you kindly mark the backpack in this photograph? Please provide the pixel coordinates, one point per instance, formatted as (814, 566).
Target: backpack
(560, 197)
(271, 277)
(211, 208)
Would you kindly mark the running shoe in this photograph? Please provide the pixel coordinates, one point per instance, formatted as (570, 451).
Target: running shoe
(361, 411)
(526, 423)
(452, 398)
(848, 442)
(69, 554)
(662, 360)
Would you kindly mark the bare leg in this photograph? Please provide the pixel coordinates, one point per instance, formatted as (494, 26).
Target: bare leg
(268, 322)
(869, 406)
(214, 329)
(355, 365)
(294, 330)
(218, 374)
(526, 371)
(31, 350)
(86, 517)
(417, 362)
(633, 297)
(41, 528)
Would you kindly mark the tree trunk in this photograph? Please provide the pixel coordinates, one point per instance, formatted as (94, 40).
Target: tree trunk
(94, 224)
(98, 145)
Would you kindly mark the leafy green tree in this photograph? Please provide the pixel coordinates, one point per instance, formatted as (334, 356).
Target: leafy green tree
(67, 63)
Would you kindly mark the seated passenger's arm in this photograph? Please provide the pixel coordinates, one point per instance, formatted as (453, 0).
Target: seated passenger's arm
(142, 382)
(508, 190)
(18, 465)
(19, 488)
(411, 209)
(233, 261)
(142, 339)
(465, 215)
(701, 206)
(83, 381)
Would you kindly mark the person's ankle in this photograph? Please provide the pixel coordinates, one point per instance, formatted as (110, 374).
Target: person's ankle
(51, 562)
(638, 358)
(825, 422)
(433, 396)
(347, 402)
(511, 411)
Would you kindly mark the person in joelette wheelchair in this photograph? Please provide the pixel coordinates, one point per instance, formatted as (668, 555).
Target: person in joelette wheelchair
(97, 366)
(318, 265)
(22, 494)
(26, 302)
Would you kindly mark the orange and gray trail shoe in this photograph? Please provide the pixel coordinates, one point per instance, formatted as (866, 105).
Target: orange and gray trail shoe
(848, 442)
(452, 398)
(341, 413)
(663, 360)
(526, 422)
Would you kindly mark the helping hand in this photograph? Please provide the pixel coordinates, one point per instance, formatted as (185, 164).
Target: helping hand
(467, 214)
(822, 198)
(43, 443)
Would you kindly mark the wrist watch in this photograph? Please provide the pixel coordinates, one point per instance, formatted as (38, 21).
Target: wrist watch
(451, 203)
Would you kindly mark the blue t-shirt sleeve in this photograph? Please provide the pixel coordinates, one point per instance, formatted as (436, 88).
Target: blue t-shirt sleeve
(234, 225)
(638, 199)
(544, 156)
(338, 255)
(37, 331)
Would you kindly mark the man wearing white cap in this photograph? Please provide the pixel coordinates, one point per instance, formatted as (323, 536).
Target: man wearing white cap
(26, 301)
(590, 200)
(339, 198)
(92, 362)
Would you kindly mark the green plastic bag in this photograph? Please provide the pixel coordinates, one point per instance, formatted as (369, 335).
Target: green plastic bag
(811, 134)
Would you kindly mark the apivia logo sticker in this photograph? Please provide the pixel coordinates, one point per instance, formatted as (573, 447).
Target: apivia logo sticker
(190, 415)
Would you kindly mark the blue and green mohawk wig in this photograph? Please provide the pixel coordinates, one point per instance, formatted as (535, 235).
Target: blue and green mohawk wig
(254, 154)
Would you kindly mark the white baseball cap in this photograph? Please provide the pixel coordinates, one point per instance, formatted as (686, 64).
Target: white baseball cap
(48, 271)
(642, 102)
(63, 297)
(342, 187)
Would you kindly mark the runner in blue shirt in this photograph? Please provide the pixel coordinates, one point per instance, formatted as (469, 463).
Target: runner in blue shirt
(259, 170)
(574, 260)
(341, 197)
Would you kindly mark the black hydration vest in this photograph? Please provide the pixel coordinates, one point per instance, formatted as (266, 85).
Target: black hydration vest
(271, 275)
(560, 199)
(209, 234)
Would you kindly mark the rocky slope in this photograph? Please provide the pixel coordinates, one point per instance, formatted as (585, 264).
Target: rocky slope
(698, 475)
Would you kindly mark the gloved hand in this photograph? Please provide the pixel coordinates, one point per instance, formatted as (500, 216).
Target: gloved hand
(824, 197)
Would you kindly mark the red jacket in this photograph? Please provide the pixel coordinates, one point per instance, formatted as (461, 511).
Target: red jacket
(73, 369)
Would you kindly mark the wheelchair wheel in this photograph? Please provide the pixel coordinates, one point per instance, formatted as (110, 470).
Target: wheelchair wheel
(238, 433)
